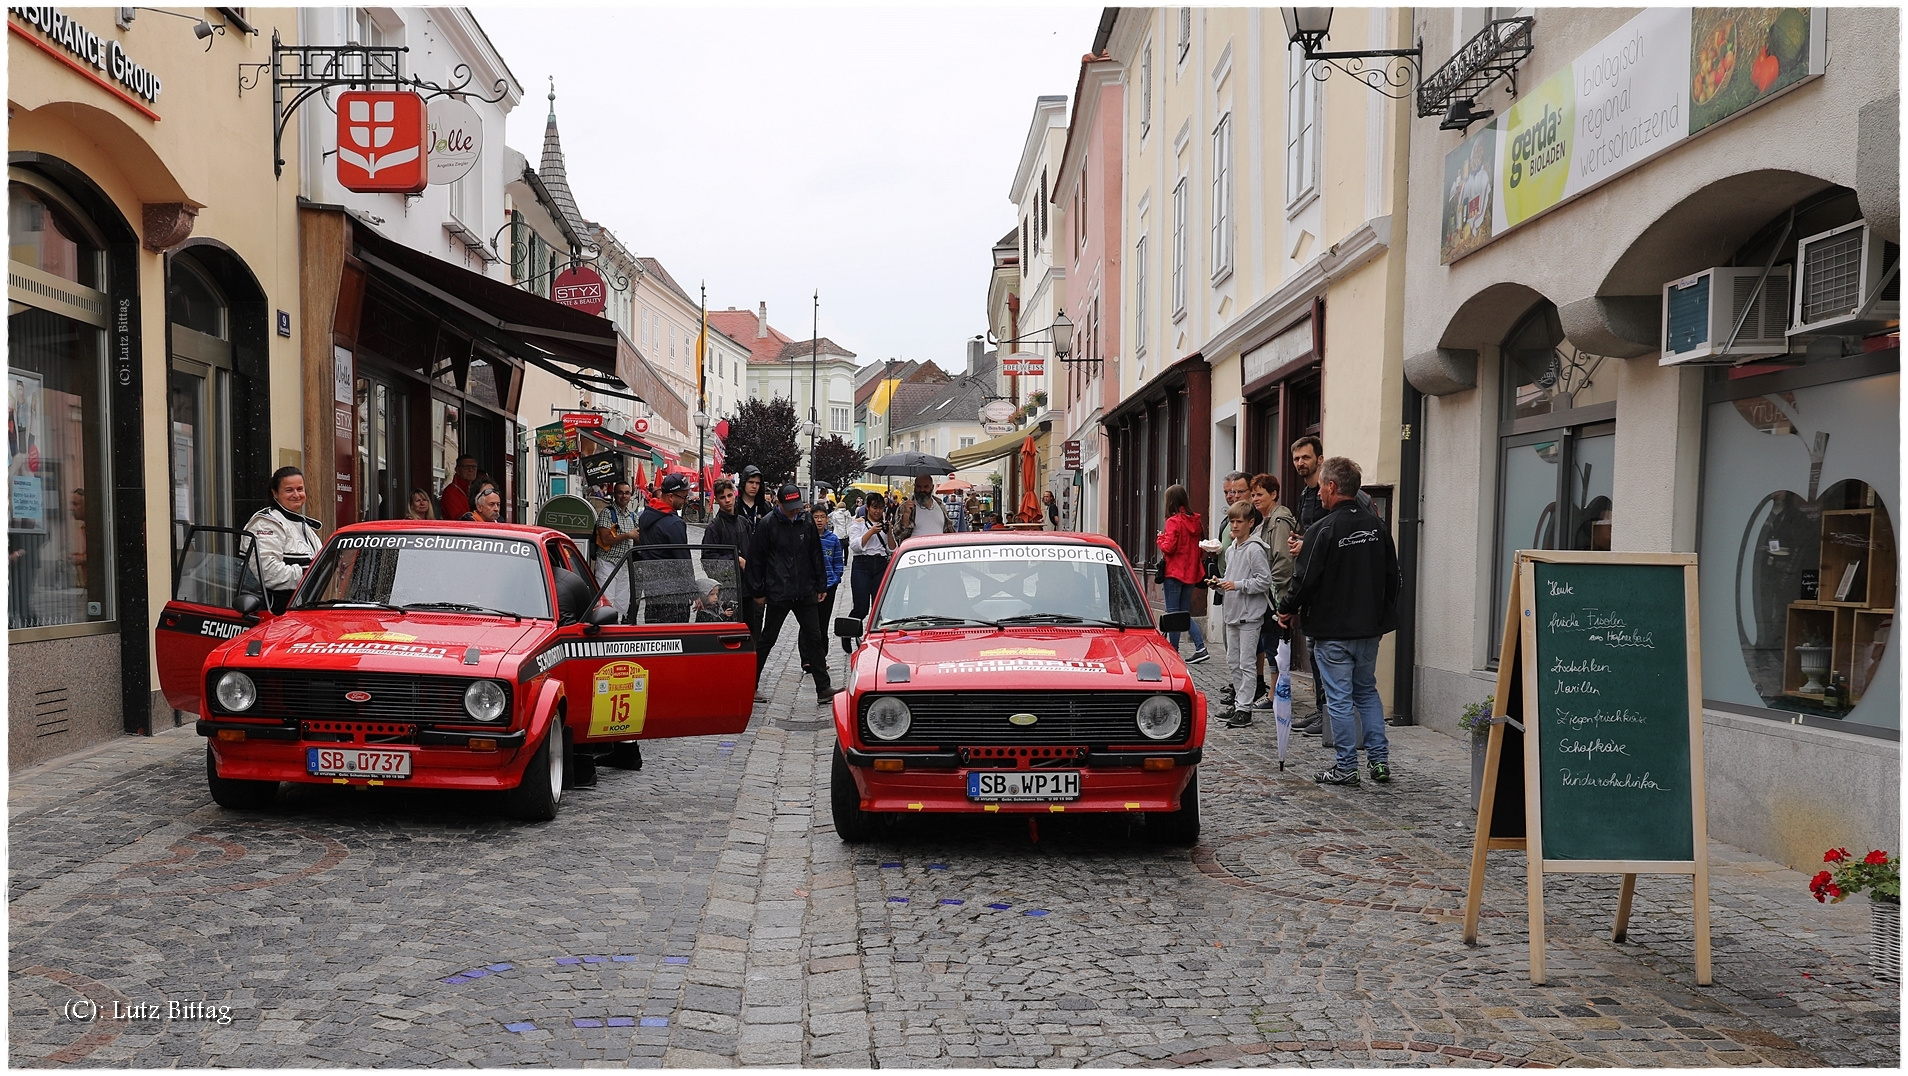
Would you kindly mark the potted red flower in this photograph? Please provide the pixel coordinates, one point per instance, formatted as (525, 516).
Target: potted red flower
(1878, 875)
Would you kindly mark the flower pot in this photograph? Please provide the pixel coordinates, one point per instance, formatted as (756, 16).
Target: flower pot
(1480, 750)
(1814, 662)
(1884, 939)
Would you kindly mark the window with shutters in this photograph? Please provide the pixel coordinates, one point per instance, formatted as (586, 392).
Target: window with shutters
(1222, 197)
(1041, 208)
(1146, 88)
(1185, 31)
(1301, 129)
(1179, 249)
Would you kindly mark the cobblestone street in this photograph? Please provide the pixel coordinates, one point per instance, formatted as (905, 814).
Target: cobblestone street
(701, 912)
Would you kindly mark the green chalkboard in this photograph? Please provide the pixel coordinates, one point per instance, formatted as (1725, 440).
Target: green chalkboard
(1612, 714)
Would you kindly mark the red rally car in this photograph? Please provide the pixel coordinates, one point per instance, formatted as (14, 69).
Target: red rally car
(1006, 672)
(436, 655)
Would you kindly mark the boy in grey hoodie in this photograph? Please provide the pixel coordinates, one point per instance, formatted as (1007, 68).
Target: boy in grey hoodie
(1247, 585)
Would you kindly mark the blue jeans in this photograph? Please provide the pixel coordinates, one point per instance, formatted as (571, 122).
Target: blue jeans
(1349, 670)
(1179, 600)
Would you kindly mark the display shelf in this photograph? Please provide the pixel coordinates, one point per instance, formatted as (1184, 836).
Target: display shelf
(1857, 550)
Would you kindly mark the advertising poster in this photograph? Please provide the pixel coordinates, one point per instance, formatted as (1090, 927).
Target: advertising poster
(557, 439)
(1665, 75)
(26, 432)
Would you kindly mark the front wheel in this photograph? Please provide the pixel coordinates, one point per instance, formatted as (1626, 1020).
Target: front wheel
(536, 797)
(852, 824)
(234, 794)
(1178, 828)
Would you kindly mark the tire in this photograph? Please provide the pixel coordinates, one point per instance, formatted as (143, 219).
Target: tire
(852, 824)
(234, 794)
(537, 796)
(1180, 828)
(627, 755)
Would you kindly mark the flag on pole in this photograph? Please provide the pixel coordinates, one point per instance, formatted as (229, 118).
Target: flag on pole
(702, 352)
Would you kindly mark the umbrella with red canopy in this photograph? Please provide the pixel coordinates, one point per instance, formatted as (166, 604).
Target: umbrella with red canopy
(1029, 478)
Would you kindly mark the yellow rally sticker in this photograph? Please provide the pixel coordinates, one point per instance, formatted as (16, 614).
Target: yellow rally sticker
(620, 700)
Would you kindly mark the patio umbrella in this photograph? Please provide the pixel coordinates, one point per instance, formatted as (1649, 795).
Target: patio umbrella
(954, 485)
(1029, 477)
(910, 465)
(1282, 697)
(641, 480)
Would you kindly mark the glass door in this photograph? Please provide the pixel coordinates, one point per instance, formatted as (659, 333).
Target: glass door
(199, 431)
(381, 470)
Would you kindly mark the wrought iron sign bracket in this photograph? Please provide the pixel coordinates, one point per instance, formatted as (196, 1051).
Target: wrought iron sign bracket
(309, 70)
(1493, 53)
(1392, 77)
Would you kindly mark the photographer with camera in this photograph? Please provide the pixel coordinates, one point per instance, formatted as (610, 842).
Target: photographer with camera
(871, 539)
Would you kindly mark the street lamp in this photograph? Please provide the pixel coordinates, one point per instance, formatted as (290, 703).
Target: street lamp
(1308, 27)
(701, 420)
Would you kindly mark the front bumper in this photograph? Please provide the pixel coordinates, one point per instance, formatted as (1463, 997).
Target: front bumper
(442, 760)
(1110, 782)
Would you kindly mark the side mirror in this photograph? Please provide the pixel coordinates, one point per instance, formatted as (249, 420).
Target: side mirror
(249, 605)
(848, 627)
(1172, 622)
(602, 616)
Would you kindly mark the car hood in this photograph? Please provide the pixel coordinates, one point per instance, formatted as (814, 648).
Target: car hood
(1089, 657)
(369, 640)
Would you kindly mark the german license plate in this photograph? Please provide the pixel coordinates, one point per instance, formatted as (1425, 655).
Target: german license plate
(356, 762)
(1024, 785)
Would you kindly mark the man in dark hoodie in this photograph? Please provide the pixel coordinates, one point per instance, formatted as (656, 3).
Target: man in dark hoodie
(751, 505)
(786, 575)
(669, 581)
(1347, 590)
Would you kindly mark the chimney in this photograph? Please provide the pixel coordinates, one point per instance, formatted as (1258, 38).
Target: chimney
(975, 349)
(761, 321)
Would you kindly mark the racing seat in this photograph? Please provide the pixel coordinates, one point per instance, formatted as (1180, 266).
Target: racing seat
(573, 596)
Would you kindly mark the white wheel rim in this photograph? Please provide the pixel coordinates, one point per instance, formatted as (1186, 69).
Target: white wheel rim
(556, 766)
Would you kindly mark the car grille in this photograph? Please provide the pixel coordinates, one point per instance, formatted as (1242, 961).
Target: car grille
(302, 696)
(975, 718)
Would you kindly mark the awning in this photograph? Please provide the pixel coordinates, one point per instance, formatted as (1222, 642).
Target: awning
(991, 449)
(584, 349)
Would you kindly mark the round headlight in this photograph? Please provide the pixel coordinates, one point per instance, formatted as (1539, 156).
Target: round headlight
(484, 700)
(889, 718)
(236, 692)
(1159, 717)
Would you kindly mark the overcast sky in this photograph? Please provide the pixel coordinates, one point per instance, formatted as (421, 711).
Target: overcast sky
(864, 152)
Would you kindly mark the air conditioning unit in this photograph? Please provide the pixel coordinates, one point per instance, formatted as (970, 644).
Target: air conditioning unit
(1700, 313)
(1842, 272)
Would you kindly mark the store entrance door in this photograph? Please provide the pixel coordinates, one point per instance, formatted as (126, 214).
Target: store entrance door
(382, 450)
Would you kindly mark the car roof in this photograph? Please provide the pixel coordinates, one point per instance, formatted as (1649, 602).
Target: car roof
(519, 531)
(1003, 537)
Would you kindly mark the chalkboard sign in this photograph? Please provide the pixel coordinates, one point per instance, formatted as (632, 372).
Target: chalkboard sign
(1599, 697)
(1612, 713)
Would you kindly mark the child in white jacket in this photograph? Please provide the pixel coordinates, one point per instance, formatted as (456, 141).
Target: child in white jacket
(1247, 585)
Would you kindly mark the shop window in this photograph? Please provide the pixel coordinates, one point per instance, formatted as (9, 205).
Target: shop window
(1801, 487)
(1556, 450)
(59, 567)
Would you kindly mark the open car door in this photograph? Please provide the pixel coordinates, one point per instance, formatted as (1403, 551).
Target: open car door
(215, 566)
(653, 681)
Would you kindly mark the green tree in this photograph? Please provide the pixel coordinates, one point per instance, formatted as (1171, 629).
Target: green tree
(837, 462)
(762, 434)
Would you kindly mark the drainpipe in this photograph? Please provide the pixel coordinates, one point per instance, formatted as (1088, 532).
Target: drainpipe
(1410, 519)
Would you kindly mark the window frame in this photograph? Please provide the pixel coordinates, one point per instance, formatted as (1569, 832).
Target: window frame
(1302, 131)
(1182, 198)
(1222, 224)
(1139, 294)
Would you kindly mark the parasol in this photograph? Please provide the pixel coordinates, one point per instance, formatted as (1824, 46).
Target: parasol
(954, 485)
(1282, 697)
(910, 465)
(1029, 478)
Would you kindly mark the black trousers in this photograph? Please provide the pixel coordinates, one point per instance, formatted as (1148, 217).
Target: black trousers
(864, 578)
(813, 648)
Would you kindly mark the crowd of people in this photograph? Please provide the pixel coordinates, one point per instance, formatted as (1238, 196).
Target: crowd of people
(1327, 576)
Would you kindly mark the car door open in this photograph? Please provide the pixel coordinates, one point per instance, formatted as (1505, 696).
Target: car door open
(216, 567)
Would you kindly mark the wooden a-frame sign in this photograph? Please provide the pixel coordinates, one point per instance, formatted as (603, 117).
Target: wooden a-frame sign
(1600, 659)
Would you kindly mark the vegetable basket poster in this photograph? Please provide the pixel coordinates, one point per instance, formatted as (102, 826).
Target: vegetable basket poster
(1666, 75)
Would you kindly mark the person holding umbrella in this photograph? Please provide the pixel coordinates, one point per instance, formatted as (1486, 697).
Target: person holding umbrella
(923, 514)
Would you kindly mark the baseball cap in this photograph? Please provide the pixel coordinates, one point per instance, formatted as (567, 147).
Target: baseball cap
(674, 483)
(789, 492)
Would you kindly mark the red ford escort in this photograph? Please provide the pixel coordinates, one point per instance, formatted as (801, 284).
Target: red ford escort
(1007, 672)
(436, 655)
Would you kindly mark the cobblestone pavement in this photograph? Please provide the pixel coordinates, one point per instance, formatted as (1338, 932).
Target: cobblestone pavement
(701, 912)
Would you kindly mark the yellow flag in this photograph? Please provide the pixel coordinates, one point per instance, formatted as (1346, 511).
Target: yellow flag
(702, 351)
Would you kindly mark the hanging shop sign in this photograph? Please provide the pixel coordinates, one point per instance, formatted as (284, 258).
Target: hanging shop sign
(1665, 76)
(641, 425)
(456, 139)
(579, 288)
(383, 142)
(1070, 452)
(102, 60)
(583, 420)
(602, 467)
(1023, 364)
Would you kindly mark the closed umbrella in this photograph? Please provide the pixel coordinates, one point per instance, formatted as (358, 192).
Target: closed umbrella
(910, 465)
(1282, 696)
(1029, 477)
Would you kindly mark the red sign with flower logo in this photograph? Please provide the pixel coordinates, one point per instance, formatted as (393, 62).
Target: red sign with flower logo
(383, 141)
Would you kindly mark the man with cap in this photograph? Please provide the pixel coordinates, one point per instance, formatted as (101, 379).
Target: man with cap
(786, 574)
(669, 583)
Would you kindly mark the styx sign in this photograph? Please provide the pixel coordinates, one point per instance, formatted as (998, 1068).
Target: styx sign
(383, 142)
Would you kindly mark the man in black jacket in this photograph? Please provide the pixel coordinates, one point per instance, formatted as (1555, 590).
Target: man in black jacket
(668, 580)
(725, 535)
(1347, 590)
(786, 574)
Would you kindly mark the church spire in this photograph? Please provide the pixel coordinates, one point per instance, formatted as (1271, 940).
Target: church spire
(551, 170)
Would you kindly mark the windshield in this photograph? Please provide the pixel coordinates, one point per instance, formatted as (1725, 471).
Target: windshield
(1019, 582)
(455, 573)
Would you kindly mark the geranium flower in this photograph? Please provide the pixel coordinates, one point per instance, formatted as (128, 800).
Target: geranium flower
(1835, 855)
(1878, 856)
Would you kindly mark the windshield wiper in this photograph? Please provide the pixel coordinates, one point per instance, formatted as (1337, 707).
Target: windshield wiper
(461, 607)
(350, 603)
(930, 620)
(1060, 618)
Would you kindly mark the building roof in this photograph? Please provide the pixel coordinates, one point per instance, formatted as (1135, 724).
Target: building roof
(653, 267)
(742, 327)
(801, 350)
(550, 170)
(958, 400)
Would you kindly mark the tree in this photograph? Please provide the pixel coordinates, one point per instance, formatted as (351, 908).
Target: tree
(762, 434)
(837, 462)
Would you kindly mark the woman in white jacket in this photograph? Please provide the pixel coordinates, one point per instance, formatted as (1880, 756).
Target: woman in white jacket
(285, 539)
(1247, 585)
